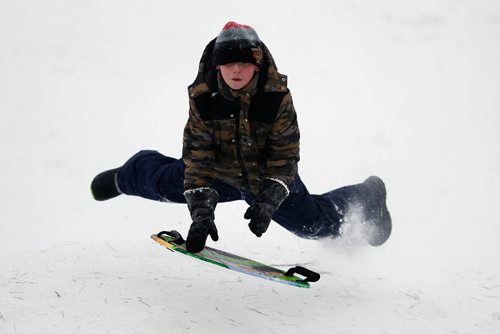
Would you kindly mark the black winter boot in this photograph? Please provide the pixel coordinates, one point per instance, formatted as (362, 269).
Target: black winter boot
(377, 215)
(104, 186)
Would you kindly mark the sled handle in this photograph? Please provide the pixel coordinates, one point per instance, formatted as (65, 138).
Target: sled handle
(174, 234)
(310, 275)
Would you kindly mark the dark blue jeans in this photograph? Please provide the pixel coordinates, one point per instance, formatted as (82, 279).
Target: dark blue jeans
(151, 175)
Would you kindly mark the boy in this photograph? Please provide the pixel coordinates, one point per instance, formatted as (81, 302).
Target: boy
(241, 142)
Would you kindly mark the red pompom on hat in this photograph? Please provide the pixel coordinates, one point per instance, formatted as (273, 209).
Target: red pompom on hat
(237, 43)
(232, 24)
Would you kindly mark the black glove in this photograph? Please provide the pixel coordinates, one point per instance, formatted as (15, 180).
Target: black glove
(271, 195)
(201, 203)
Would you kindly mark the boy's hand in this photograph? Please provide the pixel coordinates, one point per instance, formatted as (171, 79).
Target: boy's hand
(199, 232)
(201, 203)
(260, 213)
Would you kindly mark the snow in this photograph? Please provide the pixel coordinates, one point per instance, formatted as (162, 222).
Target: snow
(407, 90)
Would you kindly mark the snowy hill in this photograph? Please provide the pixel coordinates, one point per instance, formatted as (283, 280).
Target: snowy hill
(405, 90)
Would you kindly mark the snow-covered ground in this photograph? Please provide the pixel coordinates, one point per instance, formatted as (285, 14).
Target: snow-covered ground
(407, 90)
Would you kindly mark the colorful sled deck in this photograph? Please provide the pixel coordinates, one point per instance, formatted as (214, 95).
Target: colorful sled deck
(173, 241)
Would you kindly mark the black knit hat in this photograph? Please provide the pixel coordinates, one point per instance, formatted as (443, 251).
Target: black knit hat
(237, 43)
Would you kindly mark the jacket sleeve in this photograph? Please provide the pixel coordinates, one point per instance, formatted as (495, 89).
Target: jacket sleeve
(283, 144)
(198, 150)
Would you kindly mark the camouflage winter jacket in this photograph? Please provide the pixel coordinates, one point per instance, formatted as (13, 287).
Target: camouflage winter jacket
(240, 137)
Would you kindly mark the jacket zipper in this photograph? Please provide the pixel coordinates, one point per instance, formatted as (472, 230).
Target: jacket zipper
(244, 172)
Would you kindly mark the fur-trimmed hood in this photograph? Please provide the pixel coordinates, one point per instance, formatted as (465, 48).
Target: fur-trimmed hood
(206, 79)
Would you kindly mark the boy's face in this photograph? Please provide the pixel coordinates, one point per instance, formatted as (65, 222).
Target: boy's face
(237, 75)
